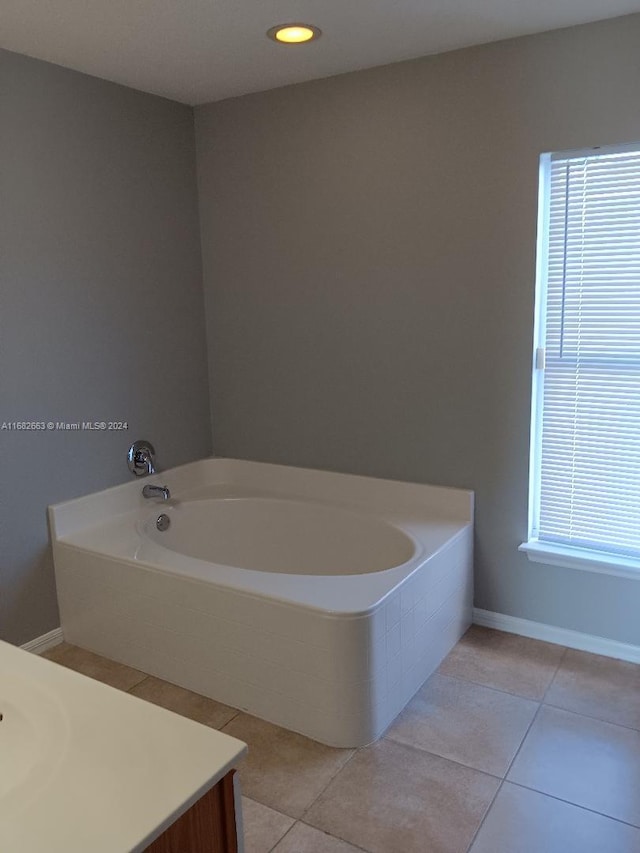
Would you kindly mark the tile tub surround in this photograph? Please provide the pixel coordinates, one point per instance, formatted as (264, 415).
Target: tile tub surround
(332, 656)
(278, 818)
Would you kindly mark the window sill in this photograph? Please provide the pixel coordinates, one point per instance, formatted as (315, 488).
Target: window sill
(581, 558)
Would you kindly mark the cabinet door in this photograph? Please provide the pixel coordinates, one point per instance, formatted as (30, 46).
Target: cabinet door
(209, 826)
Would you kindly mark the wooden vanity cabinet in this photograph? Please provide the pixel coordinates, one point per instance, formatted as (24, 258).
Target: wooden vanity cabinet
(209, 826)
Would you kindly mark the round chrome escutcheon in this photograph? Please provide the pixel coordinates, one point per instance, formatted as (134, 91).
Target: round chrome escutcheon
(163, 521)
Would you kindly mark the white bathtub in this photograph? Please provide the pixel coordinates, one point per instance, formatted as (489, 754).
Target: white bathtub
(318, 601)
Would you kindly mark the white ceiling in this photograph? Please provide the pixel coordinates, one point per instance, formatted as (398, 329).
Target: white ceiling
(204, 50)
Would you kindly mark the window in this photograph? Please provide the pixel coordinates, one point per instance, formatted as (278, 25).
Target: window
(585, 439)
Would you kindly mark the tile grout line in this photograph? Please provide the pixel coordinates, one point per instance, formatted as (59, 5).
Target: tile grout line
(526, 735)
(540, 703)
(312, 803)
(491, 687)
(316, 829)
(417, 749)
(504, 778)
(591, 717)
(410, 747)
(485, 816)
(271, 849)
(230, 720)
(555, 675)
(423, 751)
(519, 749)
(336, 837)
(316, 798)
(575, 805)
(146, 677)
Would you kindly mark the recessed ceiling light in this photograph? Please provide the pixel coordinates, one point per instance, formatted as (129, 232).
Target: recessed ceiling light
(294, 33)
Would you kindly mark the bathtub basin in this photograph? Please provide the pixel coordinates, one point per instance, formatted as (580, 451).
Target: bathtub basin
(318, 601)
(286, 536)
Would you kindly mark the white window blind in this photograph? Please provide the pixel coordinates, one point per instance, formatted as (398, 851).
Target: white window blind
(587, 493)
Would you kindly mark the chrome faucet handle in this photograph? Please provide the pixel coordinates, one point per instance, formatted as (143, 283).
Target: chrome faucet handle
(141, 458)
(161, 492)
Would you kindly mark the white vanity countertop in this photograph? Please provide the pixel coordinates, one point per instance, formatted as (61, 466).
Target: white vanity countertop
(85, 767)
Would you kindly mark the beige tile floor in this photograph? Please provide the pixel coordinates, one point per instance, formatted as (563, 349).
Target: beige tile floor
(513, 746)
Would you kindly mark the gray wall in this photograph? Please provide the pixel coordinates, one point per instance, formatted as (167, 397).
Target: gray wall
(369, 252)
(101, 313)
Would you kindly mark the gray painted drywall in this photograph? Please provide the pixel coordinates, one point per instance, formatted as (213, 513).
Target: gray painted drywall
(101, 309)
(369, 259)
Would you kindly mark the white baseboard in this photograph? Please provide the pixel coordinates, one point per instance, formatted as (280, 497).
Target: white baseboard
(560, 636)
(46, 641)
